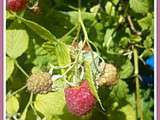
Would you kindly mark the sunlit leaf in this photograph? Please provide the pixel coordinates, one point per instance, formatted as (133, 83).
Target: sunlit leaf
(12, 105)
(17, 42)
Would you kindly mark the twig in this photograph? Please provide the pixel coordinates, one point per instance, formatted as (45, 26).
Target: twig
(21, 69)
(138, 96)
(26, 108)
(132, 26)
(15, 92)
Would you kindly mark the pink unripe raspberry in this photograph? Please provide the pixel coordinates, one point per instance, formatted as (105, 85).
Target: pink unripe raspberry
(80, 101)
(16, 5)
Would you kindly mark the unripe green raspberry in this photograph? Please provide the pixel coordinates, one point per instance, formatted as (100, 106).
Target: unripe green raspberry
(109, 75)
(39, 83)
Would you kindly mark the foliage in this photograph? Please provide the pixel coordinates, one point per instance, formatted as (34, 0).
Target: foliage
(69, 39)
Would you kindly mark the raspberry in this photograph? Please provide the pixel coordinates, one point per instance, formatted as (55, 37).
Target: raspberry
(109, 75)
(16, 5)
(39, 83)
(80, 101)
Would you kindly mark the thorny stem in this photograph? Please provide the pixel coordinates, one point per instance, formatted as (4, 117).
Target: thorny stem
(139, 111)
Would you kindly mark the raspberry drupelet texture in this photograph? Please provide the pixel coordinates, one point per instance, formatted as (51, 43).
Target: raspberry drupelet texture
(109, 75)
(39, 83)
(16, 5)
(80, 101)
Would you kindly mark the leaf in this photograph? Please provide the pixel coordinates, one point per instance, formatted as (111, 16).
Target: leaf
(146, 22)
(110, 9)
(50, 104)
(95, 8)
(124, 113)
(129, 112)
(17, 42)
(53, 106)
(12, 105)
(135, 38)
(139, 6)
(74, 16)
(63, 54)
(9, 15)
(9, 67)
(115, 1)
(40, 30)
(108, 37)
(126, 69)
(148, 42)
(124, 42)
(120, 90)
(89, 78)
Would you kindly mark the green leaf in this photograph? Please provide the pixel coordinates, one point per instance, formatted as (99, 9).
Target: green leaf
(89, 78)
(135, 38)
(115, 1)
(108, 37)
(124, 42)
(63, 54)
(9, 15)
(9, 67)
(148, 42)
(110, 9)
(51, 104)
(85, 16)
(12, 105)
(126, 69)
(124, 113)
(129, 112)
(139, 6)
(40, 30)
(146, 22)
(95, 8)
(120, 90)
(17, 42)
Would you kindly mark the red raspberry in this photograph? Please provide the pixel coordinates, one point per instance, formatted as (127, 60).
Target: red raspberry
(16, 5)
(80, 100)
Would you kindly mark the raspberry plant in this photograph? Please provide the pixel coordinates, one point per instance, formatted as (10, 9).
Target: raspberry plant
(53, 46)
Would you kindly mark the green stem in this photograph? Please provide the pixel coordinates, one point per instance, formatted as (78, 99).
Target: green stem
(68, 33)
(136, 71)
(138, 97)
(15, 92)
(21, 69)
(23, 117)
(83, 27)
(35, 112)
(86, 39)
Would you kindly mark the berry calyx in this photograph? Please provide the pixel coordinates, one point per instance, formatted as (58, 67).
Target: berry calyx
(80, 101)
(109, 75)
(16, 5)
(39, 83)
